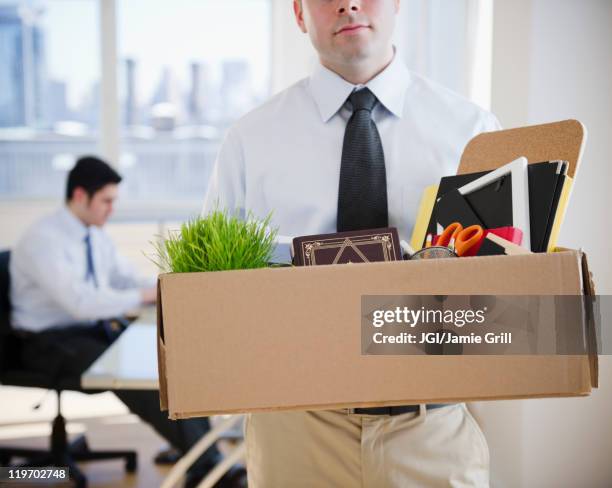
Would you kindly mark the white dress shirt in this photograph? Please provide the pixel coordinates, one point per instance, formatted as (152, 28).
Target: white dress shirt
(284, 157)
(48, 269)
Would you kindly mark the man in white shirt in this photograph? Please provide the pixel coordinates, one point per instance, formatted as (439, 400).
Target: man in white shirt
(70, 289)
(52, 283)
(350, 147)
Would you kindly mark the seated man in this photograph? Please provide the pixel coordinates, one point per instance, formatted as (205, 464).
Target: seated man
(67, 284)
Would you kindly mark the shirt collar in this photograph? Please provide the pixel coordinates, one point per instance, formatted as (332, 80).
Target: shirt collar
(330, 90)
(72, 225)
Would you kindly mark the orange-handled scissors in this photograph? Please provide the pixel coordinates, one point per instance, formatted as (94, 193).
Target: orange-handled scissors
(462, 240)
(468, 238)
(448, 234)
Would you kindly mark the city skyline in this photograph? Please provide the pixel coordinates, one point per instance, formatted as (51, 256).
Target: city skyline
(73, 95)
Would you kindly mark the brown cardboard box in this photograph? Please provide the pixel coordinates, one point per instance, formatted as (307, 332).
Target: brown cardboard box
(290, 338)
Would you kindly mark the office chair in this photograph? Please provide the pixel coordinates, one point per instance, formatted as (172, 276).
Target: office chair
(60, 452)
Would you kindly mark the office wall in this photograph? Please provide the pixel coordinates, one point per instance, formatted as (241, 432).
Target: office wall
(552, 61)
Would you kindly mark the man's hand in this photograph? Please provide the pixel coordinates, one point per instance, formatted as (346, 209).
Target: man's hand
(148, 296)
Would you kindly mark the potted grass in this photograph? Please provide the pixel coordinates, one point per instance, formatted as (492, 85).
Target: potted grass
(219, 241)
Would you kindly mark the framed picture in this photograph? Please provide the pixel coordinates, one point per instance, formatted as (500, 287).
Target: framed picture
(520, 193)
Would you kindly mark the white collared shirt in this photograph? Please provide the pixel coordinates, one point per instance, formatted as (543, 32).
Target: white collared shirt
(284, 157)
(48, 269)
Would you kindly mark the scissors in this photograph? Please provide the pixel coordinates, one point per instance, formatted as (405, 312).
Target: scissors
(459, 239)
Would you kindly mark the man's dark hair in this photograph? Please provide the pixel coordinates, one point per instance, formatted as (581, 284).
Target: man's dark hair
(91, 174)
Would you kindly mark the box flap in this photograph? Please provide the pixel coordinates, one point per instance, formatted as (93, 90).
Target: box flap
(547, 142)
(587, 277)
(161, 352)
(591, 312)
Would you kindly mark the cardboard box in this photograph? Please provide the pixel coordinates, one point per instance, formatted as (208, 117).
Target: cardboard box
(290, 338)
(286, 338)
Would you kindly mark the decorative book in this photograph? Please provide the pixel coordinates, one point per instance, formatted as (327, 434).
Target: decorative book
(363, 246)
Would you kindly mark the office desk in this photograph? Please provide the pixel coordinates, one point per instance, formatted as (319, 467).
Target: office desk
(130, 363)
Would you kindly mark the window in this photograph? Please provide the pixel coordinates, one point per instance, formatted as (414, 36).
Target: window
(450, 43)
(49, 93)
(187, 70)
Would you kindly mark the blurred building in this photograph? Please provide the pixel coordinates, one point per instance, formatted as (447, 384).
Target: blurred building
(130, 107)
(195, 101)
(22, 66)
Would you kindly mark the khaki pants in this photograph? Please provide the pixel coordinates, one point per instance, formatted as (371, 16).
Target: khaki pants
(440, 447)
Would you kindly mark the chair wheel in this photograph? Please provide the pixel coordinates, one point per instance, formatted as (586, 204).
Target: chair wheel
(131, 463)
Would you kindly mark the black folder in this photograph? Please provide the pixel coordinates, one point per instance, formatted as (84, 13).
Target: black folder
(453, 207)
(545, 185)
(492, 204)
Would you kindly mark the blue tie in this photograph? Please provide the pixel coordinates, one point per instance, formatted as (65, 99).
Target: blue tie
(112, 328)
(91, 272)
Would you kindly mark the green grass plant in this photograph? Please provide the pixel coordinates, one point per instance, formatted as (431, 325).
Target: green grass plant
(218, 241)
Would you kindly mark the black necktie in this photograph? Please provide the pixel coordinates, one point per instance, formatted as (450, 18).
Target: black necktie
(362, 195)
